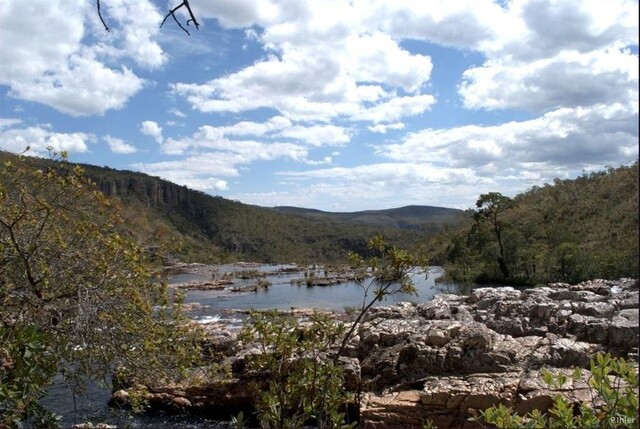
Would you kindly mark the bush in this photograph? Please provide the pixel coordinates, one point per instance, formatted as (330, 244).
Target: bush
(304, 382)
(614, 404)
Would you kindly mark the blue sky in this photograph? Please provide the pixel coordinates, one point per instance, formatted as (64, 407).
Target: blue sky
(336, 105)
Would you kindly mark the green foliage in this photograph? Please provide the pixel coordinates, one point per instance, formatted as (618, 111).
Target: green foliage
(614, 404)
(571, 230)
(428, 424)
(238, 421)
(414, 218)
(491, 206)
(387, 272)
(248, 274)
(304, 382)
(25, 369)
(77, 296)
(177, 222)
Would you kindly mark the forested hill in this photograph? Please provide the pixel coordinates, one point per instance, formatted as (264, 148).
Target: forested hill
(418, 218)
(568, 230)
(200, 227)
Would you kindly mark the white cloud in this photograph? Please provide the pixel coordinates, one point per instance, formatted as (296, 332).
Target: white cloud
(238, 13)
(323, 161)
(46, 56)
(569, 79)
(317, 135)
(137, 26)
(151, 128)
(321, 64)
(605, 134)
(544, 55)
(396, 109)
(8, 122)
(83, 86)
(536, 29)
(258, 129)
(200, 172)
(274, 128)
(39, 138)
(210, 156)
(460, 23)
(177, 113)
(381, 185)
(382, 129)
(119, 146)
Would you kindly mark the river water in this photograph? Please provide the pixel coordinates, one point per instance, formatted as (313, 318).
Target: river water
(285, 293)
(218, 306)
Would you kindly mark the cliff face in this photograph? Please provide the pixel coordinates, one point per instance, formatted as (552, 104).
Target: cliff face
(155, 193)
(249, 232)
(191, 212)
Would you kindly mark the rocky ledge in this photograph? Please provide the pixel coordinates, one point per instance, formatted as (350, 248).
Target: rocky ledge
(445, 359)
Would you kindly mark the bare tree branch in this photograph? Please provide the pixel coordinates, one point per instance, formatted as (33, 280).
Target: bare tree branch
(101, 18)
(171, 13)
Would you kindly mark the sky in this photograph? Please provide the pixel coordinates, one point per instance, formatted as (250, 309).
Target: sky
(335, 105)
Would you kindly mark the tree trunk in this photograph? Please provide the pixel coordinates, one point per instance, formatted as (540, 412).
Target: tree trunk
(503, 267)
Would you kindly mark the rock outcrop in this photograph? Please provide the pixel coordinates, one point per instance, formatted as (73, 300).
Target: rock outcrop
(448, 358)
(445, 359)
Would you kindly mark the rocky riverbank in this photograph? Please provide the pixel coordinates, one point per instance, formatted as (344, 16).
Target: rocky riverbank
(443, 359)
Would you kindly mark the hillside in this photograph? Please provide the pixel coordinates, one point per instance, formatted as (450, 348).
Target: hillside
(409, 217)
(569, 230)
(200, 227)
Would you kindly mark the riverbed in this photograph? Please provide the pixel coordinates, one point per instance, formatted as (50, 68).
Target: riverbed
(287, 290)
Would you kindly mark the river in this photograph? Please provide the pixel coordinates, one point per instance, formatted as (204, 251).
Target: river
(217, 306)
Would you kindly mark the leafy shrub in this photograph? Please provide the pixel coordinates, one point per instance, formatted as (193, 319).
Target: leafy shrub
(614, 404)
(304, 381)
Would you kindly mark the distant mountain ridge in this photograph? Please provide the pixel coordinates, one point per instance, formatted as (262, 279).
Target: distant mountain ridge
(412, 217)
(199, 227)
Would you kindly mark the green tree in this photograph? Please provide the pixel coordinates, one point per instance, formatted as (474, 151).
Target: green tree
(77, 297)
(490, 208)
(567, 256)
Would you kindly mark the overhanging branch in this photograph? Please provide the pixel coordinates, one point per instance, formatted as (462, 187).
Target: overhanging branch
(101, 18)
(171, 13)
(185, 3)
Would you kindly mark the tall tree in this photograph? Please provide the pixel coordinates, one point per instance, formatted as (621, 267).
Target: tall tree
(76, 296)
(490, 208)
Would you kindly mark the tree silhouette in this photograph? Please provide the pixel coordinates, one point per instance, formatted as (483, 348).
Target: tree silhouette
(185, 3)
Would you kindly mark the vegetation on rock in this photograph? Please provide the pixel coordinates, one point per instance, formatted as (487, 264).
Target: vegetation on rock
(305, 378)
(614, 401)
(173, 220)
